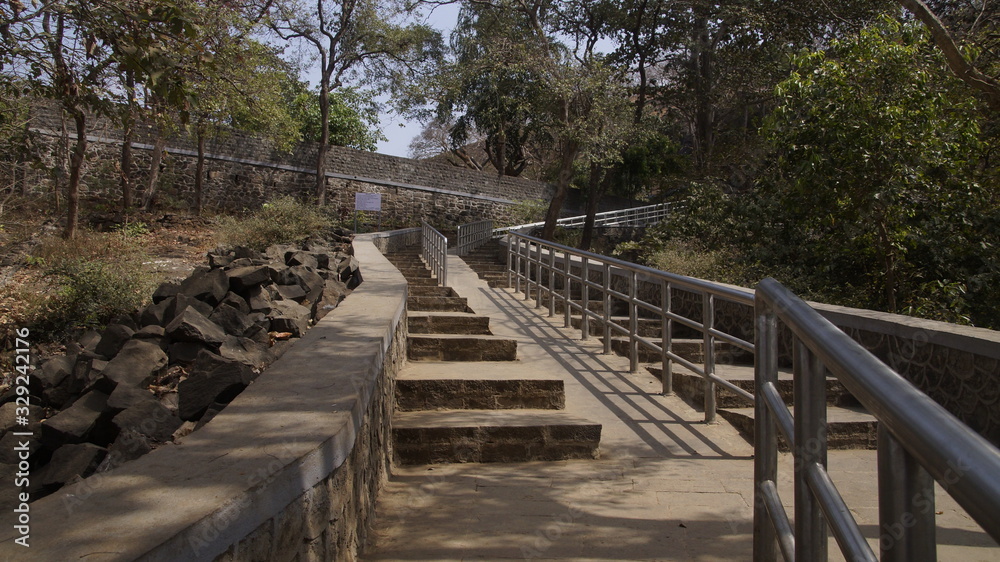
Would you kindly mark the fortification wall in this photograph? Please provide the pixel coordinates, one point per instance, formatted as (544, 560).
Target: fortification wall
(243, 171)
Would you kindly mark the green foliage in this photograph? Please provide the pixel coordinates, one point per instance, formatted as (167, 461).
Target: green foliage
(133, 229)
(873, 198)
(353, 116)
(527, 211)
(877, 151)
(281, 221)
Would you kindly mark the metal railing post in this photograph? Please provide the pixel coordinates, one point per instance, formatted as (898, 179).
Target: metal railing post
(809, 449)
(567, 290)
(905, 504)
(666, 339)
(552, 283)
(633, 324)
(765, 459)
(708, 322)
(606, 288)
(585, 294)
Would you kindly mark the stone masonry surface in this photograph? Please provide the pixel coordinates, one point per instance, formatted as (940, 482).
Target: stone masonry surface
(289, 470)
(243, 171)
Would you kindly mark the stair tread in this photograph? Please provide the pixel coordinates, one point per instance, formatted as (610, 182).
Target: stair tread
(486, 418)
(483, 370)
(441, 314)
(834, 414)
(489, 337)
(730, 372)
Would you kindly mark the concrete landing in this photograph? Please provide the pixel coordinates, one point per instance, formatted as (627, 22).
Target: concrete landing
(667, 486)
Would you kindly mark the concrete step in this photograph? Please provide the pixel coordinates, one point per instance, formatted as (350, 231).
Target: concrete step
(846, 428)
(447, 323)
(437, 304)
(482, 268)
(457, 347)
(691, 349)
(422, 282)
(483, 387)
(431, 291)
(648, 327)
(414, 272)
(492, 436)
(691, 386)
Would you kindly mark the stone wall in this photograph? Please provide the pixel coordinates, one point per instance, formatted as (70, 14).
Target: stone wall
(289, 470)
(242, 172)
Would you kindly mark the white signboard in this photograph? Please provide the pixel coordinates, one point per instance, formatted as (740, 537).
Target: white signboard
(367, 201)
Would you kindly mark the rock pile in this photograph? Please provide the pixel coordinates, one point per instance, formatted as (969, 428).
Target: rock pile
(162, 372)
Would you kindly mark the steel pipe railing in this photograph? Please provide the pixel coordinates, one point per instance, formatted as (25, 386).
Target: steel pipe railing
(537, 265)
(434, 251)
(636, 216)
(473, 235)
(919, 441)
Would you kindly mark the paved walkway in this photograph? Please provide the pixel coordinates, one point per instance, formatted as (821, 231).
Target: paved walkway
(667, 485)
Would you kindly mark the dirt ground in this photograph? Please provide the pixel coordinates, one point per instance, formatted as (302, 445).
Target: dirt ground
(175, 244)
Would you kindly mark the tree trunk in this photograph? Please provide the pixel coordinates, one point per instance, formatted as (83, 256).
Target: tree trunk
(154, 171)
(62, 172)
(75, 169)
(594, 193)
(701, 61)
(199, 172)
(324, 139)
(128, 133)
(889, 265)
(568, 156)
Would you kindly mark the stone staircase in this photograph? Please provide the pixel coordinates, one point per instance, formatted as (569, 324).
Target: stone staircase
(849, 426)
(464, 397)
(490, 263)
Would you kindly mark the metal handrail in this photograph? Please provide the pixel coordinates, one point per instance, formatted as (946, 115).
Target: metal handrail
(635, 216)
(473, 235)
(537, 264)
(434, 251)
(919, 441)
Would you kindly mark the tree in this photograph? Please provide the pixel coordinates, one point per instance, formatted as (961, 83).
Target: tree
(877, 151)
(353, 115)
(349, 37)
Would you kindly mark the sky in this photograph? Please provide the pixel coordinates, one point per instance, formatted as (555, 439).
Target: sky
(398, 131)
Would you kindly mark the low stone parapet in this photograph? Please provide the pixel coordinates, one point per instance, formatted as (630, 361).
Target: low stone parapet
(290, 469)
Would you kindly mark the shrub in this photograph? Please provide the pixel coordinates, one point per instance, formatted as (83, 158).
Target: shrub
(92, 279)
(528, 211)
(281, 221)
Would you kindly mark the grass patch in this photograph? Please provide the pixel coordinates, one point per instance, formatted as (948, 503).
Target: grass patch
(282, 221)
(84, 282)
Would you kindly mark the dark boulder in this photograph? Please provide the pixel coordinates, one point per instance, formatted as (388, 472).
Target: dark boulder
(192, 326)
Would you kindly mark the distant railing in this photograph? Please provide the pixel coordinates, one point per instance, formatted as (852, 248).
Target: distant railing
(434, 251)
(918, 442)
(636, 216)
(473, 235)
(555, 270)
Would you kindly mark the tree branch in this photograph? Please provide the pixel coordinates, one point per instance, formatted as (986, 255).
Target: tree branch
(956, 61)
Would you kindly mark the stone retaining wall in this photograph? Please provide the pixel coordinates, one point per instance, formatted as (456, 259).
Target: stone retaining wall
(289, 470)
(243, 171)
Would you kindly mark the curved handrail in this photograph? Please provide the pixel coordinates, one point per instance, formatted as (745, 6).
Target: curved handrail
(434, 251)
(931, 438)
